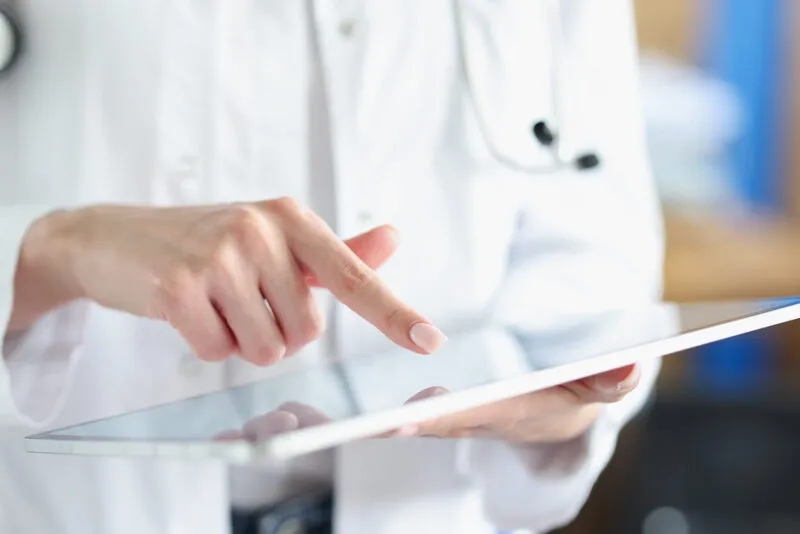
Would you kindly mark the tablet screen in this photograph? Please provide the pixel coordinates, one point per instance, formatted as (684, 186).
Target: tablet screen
(318, 394)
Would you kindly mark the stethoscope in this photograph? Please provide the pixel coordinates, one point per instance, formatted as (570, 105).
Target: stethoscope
(543, 132)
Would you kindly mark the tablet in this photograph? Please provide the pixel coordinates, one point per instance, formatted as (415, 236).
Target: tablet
(327, 404)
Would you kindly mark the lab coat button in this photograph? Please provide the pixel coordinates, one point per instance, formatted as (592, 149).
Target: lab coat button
(185, 175)
(190, 366)
(365, 219)
(347, 27)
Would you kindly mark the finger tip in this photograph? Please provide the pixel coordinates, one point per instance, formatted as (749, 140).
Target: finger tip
(270, 357)
(622, 373)
(392, 229)
(384, 232)
(271, 424)
(616, 384)
(391, 236)
(426, 337)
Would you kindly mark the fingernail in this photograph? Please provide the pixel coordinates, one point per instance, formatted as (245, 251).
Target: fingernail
(427, 337)
(622, 386)
(428, 393)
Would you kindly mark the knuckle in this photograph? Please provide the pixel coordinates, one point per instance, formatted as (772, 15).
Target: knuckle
(396, 319)
(269, 353)
(309, 328)
(355, 278)
(514, 412)
(244, 223)
(174, 291)
(286, 207)
(520, 411)
(224, 261)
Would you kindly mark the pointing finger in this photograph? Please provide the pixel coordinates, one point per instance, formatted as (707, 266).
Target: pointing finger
(374, 248)
(358, 287)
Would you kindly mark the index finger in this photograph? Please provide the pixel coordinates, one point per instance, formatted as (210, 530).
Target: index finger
(359, 288)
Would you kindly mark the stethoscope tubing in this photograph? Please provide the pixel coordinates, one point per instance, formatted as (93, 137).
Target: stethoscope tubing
(541, 131)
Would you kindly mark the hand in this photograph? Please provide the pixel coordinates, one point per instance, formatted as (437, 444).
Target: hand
(208, 271)
(287, 417)
(552, 415)
(290, 416)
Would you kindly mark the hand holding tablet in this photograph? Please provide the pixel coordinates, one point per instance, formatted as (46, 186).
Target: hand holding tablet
(555, 414)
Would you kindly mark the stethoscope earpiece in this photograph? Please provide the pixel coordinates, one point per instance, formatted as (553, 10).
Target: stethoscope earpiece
(587, 162)
(543, 133)
(546, 137)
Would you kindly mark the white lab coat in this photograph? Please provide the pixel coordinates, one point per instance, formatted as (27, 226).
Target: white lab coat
(358, 109)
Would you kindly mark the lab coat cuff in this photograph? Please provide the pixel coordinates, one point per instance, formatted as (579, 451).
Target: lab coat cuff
(37, 363)
(38, 366)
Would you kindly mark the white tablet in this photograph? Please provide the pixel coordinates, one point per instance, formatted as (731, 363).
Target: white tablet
(324, 405)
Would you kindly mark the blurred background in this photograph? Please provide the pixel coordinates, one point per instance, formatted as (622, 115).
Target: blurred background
(716, 452)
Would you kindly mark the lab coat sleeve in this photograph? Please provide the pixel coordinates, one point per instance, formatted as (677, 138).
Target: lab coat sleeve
(37, 364)
(588, 242)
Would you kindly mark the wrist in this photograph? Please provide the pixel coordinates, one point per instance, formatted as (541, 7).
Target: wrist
(45, 276)
(49, 250)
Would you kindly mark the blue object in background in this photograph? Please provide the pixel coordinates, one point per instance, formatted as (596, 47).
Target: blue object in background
(743, 45)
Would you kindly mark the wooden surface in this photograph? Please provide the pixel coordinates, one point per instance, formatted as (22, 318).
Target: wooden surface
(668, 26)
(711, 258)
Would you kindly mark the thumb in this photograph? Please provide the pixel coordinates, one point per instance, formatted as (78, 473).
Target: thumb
(619, 381)
(607, 387)
(374, 248)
